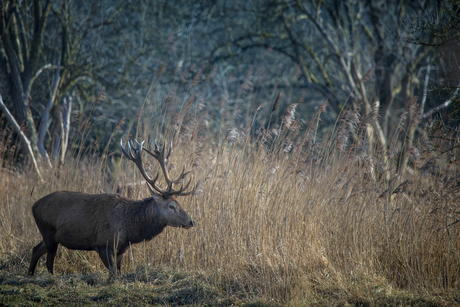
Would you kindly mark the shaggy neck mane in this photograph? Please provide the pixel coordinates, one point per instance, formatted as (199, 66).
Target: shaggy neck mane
(145, 221)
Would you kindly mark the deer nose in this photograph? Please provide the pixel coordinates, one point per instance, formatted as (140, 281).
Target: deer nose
(192, 223)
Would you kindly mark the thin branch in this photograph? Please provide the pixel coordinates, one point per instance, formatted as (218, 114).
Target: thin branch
(42, 69)
(425, 86)
(21, 135)
(445, 104)
(447, 226)
(247, 47)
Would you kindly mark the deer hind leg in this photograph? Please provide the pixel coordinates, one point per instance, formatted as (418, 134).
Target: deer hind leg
(52, 249)
(37, 252)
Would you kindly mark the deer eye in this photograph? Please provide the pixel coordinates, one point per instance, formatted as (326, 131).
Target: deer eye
(172, 207)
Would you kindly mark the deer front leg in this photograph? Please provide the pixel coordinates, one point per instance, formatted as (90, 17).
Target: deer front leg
(106, 255)
(119, 258)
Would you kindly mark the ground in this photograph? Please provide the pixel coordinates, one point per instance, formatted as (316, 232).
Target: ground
(169, 288)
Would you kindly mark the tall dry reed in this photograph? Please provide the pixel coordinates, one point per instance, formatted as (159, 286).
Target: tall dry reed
(277, 212)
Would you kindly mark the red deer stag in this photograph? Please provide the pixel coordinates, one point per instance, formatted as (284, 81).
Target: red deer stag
(109, 223)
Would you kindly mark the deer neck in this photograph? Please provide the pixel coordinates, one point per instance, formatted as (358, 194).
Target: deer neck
(146, 220)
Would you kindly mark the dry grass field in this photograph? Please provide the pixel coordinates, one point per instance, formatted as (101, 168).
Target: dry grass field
(282, 218)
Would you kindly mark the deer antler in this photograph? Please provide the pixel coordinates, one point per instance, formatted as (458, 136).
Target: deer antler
(160, 156)
(134, 154)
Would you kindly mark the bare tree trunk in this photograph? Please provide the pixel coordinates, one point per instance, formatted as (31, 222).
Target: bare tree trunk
(445, 104)
(45, 118)
(66, 110)
(61, 142)
(23, 60)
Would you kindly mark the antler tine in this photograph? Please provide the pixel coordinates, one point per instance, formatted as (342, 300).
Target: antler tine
(160, 155)
(181, 176)
(163, 192)
(133, 153)
(129, 154)
(123, 151)
(139, 145)
(137, 150)
(190, 192)
(182, 188)
(170, 151)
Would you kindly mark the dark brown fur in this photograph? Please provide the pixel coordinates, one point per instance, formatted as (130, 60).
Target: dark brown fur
(106, 223)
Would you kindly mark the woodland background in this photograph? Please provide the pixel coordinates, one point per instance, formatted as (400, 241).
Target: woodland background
(324, 135)
(238, 55)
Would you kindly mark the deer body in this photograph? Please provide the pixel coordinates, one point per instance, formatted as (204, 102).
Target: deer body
(106, 223)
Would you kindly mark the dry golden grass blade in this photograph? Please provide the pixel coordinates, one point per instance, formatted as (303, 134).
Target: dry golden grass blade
(196, 79)
(275, 105)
